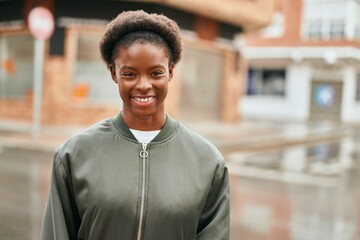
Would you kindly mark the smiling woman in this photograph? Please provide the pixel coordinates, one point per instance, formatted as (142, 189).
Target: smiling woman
(142, 73)
(141, 174)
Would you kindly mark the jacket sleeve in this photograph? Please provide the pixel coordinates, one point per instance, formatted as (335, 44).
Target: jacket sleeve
(214, 222)
(61, 220)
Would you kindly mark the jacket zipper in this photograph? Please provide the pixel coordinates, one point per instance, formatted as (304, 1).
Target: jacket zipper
(143, 154)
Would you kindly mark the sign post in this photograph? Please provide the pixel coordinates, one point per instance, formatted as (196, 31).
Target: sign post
(41, 25)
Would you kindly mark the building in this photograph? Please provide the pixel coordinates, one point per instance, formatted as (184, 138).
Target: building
(306, 64)
(77, 88)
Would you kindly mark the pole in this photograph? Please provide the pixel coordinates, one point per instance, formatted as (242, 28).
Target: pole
(37, 96)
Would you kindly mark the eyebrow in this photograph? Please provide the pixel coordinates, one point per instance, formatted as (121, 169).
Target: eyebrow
(132, 68)
(159, 65)
(128, 67)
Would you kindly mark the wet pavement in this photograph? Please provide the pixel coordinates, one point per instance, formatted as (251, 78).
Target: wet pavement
(303, 192)
(24, 179)
(288, 181)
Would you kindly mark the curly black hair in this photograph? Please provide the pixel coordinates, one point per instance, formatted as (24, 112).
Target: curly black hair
(138, 26)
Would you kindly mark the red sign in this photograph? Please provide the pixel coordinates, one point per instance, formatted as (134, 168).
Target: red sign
(41, 23)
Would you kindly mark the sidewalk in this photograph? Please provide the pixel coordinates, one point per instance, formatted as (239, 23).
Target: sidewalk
(258, 135)
(247, 135)
(19, 135)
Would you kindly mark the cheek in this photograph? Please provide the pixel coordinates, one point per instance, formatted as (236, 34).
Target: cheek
(122, 90)
(165, 89)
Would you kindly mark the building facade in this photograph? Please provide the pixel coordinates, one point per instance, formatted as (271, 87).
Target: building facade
(77, 87)
(305, 65)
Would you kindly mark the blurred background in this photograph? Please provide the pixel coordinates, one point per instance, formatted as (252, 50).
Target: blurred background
(274, 84)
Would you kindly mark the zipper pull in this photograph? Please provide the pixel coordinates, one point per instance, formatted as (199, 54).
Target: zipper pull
(144, 153)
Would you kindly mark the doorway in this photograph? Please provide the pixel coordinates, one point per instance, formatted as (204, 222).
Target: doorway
(325, 100)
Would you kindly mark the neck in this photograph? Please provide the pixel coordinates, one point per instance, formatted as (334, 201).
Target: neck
(146, 123)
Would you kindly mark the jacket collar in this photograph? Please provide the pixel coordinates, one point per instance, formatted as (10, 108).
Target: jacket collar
(167, 130)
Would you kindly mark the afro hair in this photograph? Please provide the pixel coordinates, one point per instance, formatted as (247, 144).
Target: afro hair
(139, 21)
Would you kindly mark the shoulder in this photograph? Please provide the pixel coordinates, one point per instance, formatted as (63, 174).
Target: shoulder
(195, 137)
(199, 143)
(86, 138)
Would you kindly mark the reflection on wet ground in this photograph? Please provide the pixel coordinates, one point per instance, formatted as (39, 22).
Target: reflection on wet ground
(299, 193)
(24, 177)
(302, 192)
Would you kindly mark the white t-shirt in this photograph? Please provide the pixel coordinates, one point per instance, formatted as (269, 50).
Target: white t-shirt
(144, 136)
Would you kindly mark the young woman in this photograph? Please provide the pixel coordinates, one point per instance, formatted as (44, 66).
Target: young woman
(142, 174)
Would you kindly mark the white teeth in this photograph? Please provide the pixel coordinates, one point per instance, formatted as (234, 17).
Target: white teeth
(144, 99)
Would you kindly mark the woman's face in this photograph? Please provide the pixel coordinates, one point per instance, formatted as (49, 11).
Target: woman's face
(142, 74)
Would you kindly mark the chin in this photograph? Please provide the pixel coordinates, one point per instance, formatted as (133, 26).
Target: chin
(144, 114)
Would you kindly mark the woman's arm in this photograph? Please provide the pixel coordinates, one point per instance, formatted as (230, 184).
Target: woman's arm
(61, 219)
(214, 223)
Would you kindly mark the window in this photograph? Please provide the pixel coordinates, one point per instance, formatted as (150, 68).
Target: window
(337, 29)
(16, 66)
(269, 82)
(91, 79)
(201, 75)
(314, 29)
(332, 29)
(329, 19)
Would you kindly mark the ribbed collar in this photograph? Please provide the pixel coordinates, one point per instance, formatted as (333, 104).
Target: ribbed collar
(167, 130)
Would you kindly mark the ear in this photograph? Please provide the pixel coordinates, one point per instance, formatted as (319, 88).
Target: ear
(171, 71)
(112, 72)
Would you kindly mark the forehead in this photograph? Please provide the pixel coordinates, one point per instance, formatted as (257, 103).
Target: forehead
(142, 52)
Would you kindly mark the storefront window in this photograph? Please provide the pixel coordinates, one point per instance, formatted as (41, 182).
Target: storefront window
(201, 76)
(91, 79)
(16, 66)
(266, 82)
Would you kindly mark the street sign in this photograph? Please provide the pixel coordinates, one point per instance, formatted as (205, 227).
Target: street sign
(41, 23)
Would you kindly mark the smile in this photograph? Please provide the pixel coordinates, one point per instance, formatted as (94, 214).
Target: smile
(143, 99)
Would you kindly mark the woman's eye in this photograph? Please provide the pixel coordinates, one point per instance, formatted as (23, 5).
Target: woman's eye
(128, 74)
(157, 73)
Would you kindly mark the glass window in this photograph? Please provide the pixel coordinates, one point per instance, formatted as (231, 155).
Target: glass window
(201, 75)
(314, 29)
(337, 29)
(326, 19)
(331, 29)
(16, 66)
(91, 78)
(266, 82)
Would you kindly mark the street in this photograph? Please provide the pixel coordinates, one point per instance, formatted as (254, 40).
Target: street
(302, 192)
(297, 193)
(24, 179)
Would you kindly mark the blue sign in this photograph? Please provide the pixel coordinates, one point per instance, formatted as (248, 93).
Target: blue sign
(324, 95)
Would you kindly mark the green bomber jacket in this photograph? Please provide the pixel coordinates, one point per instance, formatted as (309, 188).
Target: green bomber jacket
(105, 185)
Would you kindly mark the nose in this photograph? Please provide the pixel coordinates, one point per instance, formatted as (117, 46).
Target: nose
(144, 84)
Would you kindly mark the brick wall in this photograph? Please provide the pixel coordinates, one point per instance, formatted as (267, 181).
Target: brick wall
(59, 106)
(19, 109)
